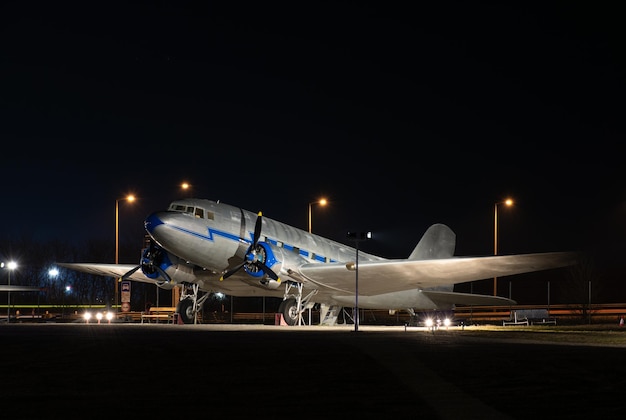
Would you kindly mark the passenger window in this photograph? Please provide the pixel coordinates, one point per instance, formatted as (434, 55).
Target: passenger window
(199, 213)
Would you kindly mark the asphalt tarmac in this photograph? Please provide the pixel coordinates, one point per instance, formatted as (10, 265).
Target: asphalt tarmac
(130, 371)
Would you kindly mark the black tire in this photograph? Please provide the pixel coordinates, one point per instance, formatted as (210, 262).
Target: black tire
(289, 310)
(185, 311)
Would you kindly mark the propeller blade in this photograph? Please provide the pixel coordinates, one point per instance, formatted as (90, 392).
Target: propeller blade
(163, 274)
(268, 271)
(130, 273)
(255, 240)
(257, 230)
(232, 271)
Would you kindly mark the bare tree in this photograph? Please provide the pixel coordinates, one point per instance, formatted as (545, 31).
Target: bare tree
(584, 286)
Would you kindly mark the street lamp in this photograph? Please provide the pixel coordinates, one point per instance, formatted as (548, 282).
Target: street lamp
(186, 187)
(357, 237)
(67, 289)
(130, 198)
(11, 265)
(508, 202)
(321, 202)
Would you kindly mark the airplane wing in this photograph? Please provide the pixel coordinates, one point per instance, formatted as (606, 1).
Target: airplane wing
(12, 288)
(109, 270)
(377, 277)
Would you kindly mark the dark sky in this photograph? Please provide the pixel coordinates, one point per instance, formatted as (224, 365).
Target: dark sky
(402, 115)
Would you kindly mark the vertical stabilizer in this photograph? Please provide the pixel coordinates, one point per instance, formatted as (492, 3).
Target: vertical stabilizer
(438, 242)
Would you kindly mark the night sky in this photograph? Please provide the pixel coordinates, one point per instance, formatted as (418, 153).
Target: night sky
(402, 115)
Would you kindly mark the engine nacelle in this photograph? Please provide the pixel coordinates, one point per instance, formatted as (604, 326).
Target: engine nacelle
(154, 262)
(267, 254)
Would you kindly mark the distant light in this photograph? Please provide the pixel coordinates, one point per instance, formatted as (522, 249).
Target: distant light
(87, 316)
(109, 316)
(359, 235)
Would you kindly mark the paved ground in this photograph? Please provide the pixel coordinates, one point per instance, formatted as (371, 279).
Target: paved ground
(130, 370)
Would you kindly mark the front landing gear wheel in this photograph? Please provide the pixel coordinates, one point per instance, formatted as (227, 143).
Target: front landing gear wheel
(289, 309)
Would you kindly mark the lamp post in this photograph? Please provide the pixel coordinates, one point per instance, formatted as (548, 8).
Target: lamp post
(11, 265)
(53, 273)
(508, 202)
(357, 237)
(321, 202)
(130, 198)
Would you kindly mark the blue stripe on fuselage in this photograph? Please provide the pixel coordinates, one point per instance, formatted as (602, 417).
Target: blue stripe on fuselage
(152, 222)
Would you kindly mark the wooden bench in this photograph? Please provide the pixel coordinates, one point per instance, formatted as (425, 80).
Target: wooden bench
(156, 313)
(132, 316)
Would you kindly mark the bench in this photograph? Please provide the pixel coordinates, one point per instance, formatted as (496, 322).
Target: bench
(131, 316)
(515, 319)
(156, 313)
(542, 317)
(530, 317)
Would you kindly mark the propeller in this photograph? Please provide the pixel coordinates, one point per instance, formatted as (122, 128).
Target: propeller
(255, 255)
(150, 263)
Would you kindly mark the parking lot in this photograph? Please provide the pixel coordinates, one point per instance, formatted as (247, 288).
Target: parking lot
(231, 371)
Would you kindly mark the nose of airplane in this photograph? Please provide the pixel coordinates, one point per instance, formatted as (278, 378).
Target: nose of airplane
(154, 220)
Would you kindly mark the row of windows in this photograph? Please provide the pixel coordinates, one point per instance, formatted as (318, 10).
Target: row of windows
(196, 211)
(199, 212)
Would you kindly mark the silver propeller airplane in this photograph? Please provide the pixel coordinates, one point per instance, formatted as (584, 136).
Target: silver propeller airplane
(207, 247)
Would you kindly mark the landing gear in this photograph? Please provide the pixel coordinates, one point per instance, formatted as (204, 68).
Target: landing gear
(185, 311)
(190, 304)
(294, 304)
(288, 308)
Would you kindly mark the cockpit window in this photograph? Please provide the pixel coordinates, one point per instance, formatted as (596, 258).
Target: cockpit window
(198, 212)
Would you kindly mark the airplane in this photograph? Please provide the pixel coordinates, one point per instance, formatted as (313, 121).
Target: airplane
(205, 246)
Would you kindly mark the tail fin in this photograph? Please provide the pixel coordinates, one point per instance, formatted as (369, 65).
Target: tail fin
(438, 242)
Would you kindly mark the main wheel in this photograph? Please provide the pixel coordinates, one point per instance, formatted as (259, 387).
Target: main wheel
(289, 309)
(185, 311)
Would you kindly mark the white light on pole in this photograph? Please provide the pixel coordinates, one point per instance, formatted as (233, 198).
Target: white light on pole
(11, 265)
(52, 273)
(508, 202)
